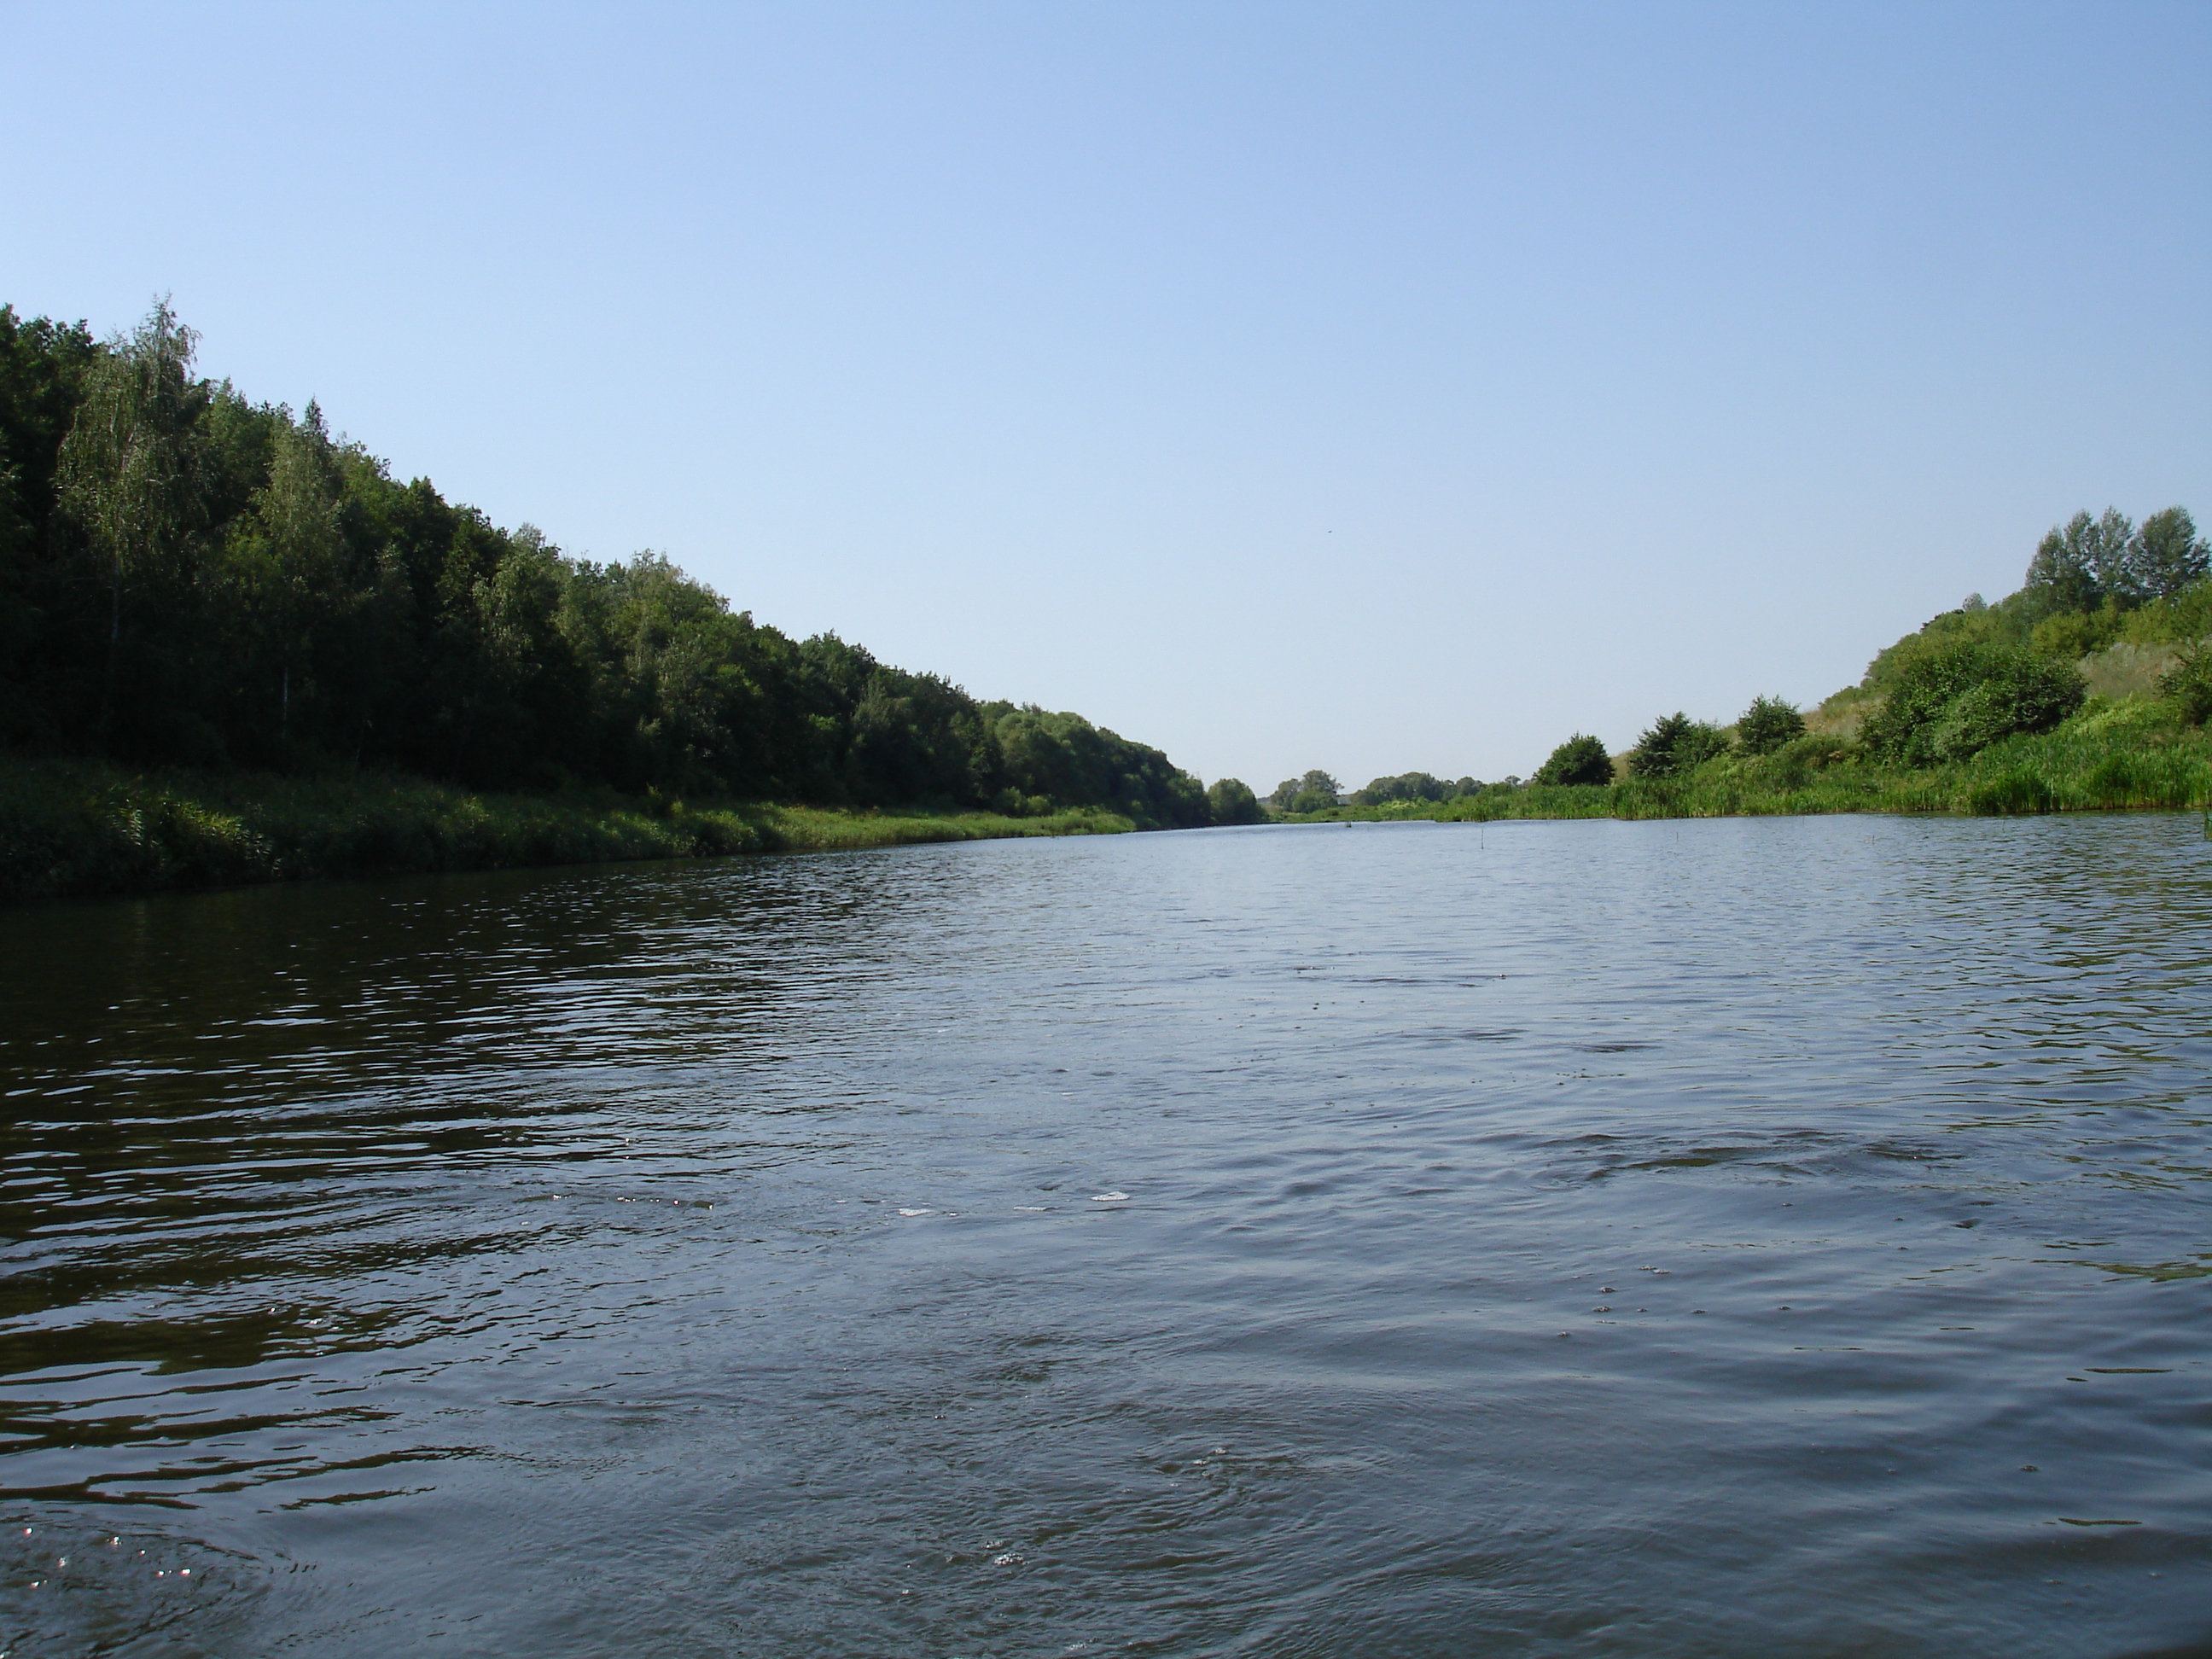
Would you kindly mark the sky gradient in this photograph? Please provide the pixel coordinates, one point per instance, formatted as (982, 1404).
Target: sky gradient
(1368, 388)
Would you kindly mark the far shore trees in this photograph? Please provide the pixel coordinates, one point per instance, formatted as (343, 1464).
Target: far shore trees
(1316, 792)
(1413, 787)
(1231, 800)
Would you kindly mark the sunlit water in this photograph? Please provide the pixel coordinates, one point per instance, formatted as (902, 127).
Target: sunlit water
(1754, 1237)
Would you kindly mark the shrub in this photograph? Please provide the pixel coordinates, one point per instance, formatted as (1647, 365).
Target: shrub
(1955, 702)
(1675, 745)
(1768, 724)
(1580, 759)
(1229, 800)
(2071, 635)
(2189, 682)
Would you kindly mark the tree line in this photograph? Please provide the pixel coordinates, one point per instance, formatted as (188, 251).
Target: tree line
(189, 578)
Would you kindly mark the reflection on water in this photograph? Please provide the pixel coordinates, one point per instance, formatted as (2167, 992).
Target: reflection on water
(1718, 1238)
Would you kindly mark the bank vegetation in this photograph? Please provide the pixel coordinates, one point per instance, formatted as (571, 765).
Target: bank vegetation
(2088, 690)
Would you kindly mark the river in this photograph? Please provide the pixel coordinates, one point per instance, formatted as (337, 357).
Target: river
(1737, 1237)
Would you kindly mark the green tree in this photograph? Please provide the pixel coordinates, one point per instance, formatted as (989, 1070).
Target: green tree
(1229, 800)
(1312, 792)
(1581, 759)
(2077, 564)
(1768, 724)
(42, 368)
(1674, 745)
(128, 475)
(2168, 554)
(281, 568)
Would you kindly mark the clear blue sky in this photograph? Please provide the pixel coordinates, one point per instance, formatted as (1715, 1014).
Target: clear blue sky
(1362, 385)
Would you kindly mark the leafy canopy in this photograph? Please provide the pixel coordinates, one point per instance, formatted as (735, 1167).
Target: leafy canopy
(1953, 702)
(1675, 745)
(2087, 563)
(1231, 800)
(1580, 759)
(1768, 724)
(1411, 787)
(1316, 792)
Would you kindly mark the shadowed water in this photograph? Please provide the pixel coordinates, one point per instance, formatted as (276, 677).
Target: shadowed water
(1740, 1237)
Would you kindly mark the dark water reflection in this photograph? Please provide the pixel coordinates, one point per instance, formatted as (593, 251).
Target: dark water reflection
(1722, 1238)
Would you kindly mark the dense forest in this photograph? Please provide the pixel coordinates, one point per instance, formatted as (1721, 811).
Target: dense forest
(191, 578)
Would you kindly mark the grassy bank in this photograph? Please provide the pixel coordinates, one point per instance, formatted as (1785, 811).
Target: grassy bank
(78, 828)
(2129, 754)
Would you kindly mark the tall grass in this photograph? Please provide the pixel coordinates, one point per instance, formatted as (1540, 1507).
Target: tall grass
(74, 829)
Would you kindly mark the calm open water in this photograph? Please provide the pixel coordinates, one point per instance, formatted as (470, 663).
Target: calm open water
(1752, 1238)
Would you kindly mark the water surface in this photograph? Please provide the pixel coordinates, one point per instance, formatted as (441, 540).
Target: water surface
(1719, 1238)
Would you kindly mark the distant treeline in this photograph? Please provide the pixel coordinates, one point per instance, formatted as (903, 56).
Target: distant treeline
(1955, 689)
(191, 578)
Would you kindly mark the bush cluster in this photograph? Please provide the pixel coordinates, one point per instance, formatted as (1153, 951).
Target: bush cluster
(1953, 703)
(1581, 759)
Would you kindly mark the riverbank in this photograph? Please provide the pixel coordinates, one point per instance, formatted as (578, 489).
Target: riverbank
(82, 829)
(2126, 755)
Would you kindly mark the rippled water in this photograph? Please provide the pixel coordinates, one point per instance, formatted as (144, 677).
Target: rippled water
(1742, 1238)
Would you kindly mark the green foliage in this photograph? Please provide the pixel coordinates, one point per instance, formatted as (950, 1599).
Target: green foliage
(189, 578)
(1231, 800)
(1767, 725)
(2087, 563)
(2070, 636)
(2076, 565)
(1674, 745)
(1316, 792)
(42, 367)
(79, 829)
(2127, 755)
(1411, 787)
(1953, 703)
(2004, 622)
(2174, 620)
(2169, 556)
(2189, 683)
(2017, 792)
(1580, 760)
